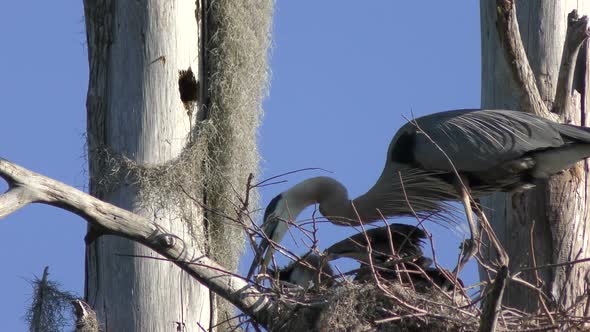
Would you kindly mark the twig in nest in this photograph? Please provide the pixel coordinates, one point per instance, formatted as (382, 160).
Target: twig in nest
(536, 273)
(377, 282)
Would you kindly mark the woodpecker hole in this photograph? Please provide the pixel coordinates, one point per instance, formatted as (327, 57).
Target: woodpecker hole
(188, 86)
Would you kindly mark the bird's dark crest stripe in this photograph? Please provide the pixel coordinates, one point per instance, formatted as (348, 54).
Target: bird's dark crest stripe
(272, 206)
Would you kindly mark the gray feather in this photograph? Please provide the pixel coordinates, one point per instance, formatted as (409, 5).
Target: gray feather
(476, 140)
(406, 240)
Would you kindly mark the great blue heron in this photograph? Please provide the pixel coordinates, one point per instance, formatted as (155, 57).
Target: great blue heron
(491, 150)
(424, 279)
(395, 242)
(404, 240)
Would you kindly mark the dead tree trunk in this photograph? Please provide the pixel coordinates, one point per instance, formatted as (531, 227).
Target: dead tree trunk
(134, 111)
(549, 224)
(167, 123)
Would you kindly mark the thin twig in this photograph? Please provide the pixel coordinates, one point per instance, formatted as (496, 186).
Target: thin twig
(288, 173)
(536, 273)
(378, 283)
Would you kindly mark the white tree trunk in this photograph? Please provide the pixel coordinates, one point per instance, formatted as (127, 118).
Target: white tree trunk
(136, 50)
(556, 212)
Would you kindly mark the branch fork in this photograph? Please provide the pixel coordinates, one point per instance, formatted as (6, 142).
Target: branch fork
(530, 97)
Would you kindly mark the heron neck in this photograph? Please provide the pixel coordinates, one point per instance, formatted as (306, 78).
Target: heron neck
(373, 205)
(384, 199)
(335, 205)
(391, 195)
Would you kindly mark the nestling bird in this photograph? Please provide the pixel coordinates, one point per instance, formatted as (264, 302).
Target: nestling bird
(424, 279)
(310, 270)
(387, 246)
(406, 241)
(491, 150)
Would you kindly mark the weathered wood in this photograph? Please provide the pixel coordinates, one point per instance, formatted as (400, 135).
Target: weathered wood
(577, 33)
(136, 50)
(516, 58)
(116, 221)
(558, 207)
(14, 200)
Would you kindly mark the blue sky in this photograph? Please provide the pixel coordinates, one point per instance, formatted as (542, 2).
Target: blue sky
(343, 76)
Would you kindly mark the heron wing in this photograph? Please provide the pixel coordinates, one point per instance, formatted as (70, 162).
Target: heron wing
(476, 140)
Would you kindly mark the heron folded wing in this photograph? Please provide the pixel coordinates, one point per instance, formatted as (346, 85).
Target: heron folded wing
(477, 140)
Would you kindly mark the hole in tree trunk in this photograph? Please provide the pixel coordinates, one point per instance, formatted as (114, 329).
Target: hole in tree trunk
(188, 86)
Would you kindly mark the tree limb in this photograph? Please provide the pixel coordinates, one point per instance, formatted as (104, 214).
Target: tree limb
(13, 200)
(577, 33)
(509, 34)
(28, 187)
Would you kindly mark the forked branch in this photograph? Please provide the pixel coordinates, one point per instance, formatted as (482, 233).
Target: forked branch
(530, 97)
(27, 187)
(577, 33)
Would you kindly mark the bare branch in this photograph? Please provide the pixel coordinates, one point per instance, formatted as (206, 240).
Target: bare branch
(493, 302)
(536, 273)
(113, 220)
(577, 33)
(530, 97)
(14, 199)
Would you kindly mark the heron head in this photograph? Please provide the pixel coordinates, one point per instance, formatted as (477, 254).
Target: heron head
(273, 230)
(275, 211)
(272, 206)
(286, 207)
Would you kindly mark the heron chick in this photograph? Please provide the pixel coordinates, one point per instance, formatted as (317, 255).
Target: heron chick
(310, 270)
(404, 240)
(389, 244)
(489, 150)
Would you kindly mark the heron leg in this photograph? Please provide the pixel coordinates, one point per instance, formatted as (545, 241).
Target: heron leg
(493, 239)
(470, 246)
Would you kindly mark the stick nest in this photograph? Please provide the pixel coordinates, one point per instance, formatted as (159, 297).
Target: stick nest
(391, 306)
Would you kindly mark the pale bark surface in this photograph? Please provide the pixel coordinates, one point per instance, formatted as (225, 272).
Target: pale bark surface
(556, 211)
(134, 109)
